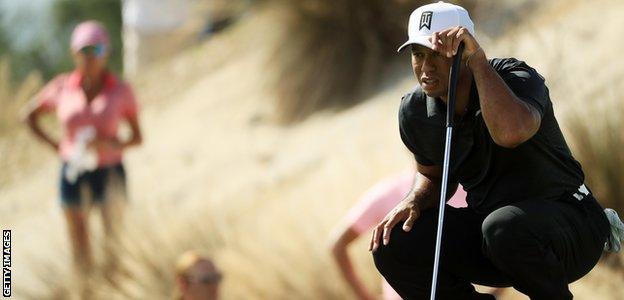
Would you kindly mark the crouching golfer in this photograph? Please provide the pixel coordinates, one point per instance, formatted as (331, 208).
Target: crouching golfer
(530, 223)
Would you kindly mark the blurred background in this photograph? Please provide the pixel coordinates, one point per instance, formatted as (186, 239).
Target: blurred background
(263, 121)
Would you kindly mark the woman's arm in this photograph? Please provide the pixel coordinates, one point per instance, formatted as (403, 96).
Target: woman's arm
(31, 118)
(136, 137)
(339, 248)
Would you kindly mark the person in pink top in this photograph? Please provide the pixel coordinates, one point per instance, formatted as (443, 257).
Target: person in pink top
(370, 209)
(90, 103)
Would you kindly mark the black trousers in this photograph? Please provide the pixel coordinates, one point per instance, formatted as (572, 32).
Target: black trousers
(536, 246)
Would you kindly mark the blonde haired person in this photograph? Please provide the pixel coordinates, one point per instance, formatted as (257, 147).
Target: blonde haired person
(196, 277)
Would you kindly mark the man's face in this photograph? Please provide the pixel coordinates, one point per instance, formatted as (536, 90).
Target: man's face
(431, 69)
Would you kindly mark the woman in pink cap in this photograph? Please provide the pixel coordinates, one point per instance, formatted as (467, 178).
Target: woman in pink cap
(90, 103)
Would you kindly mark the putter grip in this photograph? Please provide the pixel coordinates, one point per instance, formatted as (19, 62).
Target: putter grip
(452, 89)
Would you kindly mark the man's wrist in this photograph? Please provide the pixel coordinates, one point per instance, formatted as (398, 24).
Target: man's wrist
(477, 60)
(418, 203)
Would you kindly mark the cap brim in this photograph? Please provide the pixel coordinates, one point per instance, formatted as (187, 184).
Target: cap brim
(81, 44)
(419, 40)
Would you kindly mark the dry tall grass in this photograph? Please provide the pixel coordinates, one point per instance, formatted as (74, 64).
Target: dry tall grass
(596, 134)
(15, 146)
(271, 244)
(598, 142)
(333, 53)
(14, 96)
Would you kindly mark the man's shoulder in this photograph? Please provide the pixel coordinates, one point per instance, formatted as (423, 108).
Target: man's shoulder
(413, 102)
(499, 63)
(511, 64)
(421, 126)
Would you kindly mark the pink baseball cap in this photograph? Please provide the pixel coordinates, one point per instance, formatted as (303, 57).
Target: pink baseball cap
(88, 33)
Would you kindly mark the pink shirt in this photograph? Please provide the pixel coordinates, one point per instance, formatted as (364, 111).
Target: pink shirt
(373, 206)
(113, 104)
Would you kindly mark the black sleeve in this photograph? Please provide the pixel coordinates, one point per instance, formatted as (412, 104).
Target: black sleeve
(526, 83)
(407, 136)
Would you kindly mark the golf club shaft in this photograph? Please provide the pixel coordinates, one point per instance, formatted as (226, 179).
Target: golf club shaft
(436, 260)
(450, 113)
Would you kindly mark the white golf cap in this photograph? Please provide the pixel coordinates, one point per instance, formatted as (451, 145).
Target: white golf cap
(430, 18)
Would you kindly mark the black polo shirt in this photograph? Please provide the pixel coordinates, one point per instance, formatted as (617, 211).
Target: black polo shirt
(494, 176)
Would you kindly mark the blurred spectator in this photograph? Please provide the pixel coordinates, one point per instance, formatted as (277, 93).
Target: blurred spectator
(370, 209)
(197, 278)
(90, 104)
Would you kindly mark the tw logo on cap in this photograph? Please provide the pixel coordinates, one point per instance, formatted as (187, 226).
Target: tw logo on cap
(425, 20)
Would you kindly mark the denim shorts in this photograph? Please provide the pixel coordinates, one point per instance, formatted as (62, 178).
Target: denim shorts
(98, 182)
